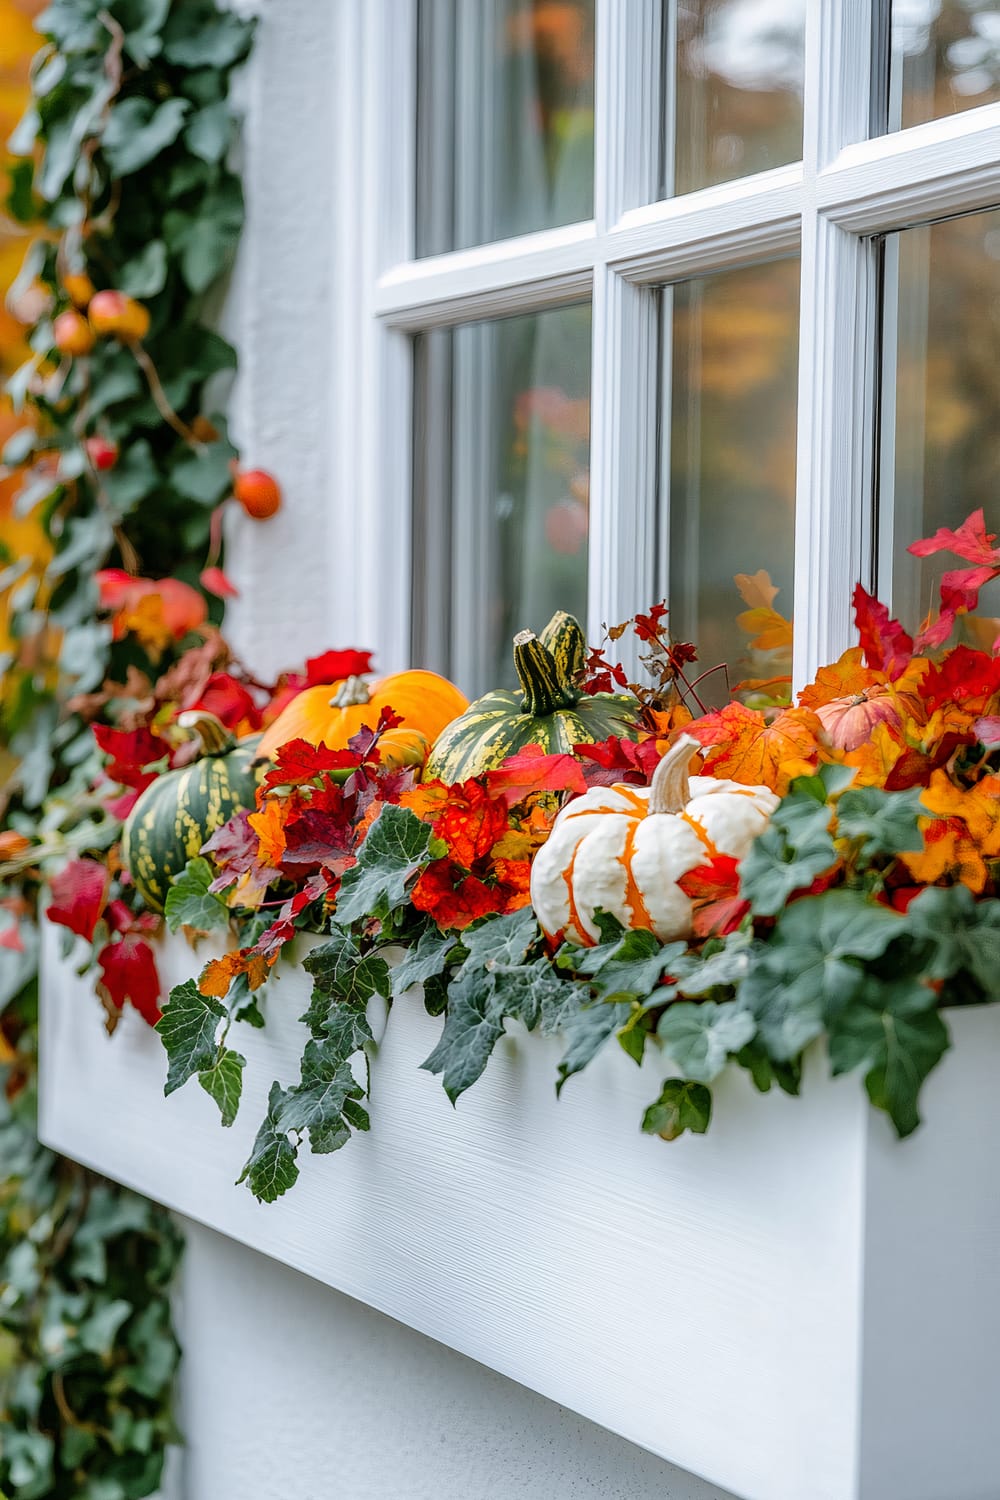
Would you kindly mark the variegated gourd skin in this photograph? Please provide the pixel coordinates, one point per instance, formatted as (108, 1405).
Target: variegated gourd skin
(180, 810)
(623, 850)
(548, 710)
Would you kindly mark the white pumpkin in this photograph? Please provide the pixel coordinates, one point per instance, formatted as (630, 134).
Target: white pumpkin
(622, 849)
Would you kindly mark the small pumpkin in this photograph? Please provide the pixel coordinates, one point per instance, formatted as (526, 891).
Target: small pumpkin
(332, 714)
(623, 849)
(181, 809)
(549, 710)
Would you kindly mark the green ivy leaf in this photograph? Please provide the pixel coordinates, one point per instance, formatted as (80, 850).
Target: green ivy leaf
(100, 1330)
(392, 853)
(813, 964)
(701, 1038)
(134, 478)
(892, 1029)
(473, 1026)
(224, 1083)
(632, 966)
(205, 476)
(138, 130)
(190, 903)
(209, 132)
(271, 1168)
(343, 975)
(682, 1105)
(197, 35)
(787, 856)
(499, 941)
(318, 1102)
(964, 935)
(885, 821)
(146, 273)
(586, 1031)
(427, 959)
(189, 1030)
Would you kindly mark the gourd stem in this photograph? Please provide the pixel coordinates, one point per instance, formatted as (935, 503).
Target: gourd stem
(670, 790)
(353, 692)
(544, 689)
(215, 737)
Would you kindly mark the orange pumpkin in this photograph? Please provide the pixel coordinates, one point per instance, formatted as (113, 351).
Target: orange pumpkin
(334, 712)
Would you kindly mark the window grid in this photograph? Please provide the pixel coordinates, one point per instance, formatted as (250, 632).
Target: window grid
(849, 189)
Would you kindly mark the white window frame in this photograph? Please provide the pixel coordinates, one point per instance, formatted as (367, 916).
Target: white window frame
(849, 187)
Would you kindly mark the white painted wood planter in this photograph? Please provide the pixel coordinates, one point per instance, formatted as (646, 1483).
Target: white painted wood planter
(796, 1306)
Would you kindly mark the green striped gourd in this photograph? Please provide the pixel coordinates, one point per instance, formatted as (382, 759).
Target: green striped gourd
(181, 809)
(549, 710)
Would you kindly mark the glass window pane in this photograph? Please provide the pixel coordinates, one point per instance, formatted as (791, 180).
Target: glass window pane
(733, 89)
(502, 449)
(941, 401)
(945, 58)
(730, 376)
(505, 119)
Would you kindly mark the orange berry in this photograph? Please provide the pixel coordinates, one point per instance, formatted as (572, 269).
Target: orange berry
(72, 333)
(258, 493)
(203, 430)
(79, 288)
(12, 844)
(114, 313)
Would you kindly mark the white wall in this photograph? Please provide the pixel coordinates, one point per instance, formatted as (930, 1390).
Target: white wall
(294, 1392)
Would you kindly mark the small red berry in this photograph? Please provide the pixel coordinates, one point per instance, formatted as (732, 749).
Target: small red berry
(102, 452)
(72, 333)
(114, 313)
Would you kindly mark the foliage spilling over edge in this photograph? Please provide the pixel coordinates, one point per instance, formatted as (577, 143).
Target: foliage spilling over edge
(125, 174)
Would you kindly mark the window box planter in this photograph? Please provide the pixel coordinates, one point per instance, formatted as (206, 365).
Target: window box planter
(796, 1306)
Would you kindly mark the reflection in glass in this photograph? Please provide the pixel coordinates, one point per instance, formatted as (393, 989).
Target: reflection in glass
(505, 119)
(945, 58)
(734, 88)
(502, 453)
(941, 401)
(730, 367)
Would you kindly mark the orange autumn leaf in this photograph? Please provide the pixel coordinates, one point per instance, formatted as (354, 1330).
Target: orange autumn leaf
(845, 677)
(748, 747)
(668, 724)
(877, 758)
(949, 853)
(269, 826)
(770, 630)
(219, 973)
(978, 807)
(427, 801)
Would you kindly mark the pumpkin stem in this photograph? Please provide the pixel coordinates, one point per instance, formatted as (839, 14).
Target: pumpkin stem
(670, 790)
(352, 693)
(544, 689)
(215, 737)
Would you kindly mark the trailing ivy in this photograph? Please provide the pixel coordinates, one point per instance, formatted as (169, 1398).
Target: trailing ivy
(123, 458)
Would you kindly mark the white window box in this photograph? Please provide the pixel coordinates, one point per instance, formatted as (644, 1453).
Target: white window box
(796, 1306)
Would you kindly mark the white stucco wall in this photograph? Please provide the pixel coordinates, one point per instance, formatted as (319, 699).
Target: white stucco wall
(294, 1392)
(289, 1390)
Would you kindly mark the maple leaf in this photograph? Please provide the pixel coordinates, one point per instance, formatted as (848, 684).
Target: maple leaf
(950, 853)
(746, 746)
(269, 826)
(219, 973)
(454, 899)
(128, 969)
(230, 702)
(214, 581)
(714, 889)
(532, 770)
(770, 631)
(978, 807)
(887, 646)
(79, 896)
(962, 676)
(332, 666)
(846, 677)
(131, 752)
(614, 760)
(970, 541)
(299, 762)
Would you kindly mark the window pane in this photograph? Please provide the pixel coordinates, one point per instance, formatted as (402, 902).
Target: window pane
(502, 448)
(505, 119)
(945, 58)
(941, 403)
(733, 87)
(729, 376)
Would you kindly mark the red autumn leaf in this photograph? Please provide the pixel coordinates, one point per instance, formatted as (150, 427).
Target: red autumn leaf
(647, 627)
(887, 646)
(234, 845)
(113, 586)
(229, 701)
(316, 837)
(332, 666)
(214, 581)
(614, 760)
(129, 973)
(714, 888)
(79, 896)
(11, 938)
(970, 541)
(935, 631)
(298, 762)
(131, 751)
(469, 823)
(454, 900)
(962, 675)
(531, 770)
